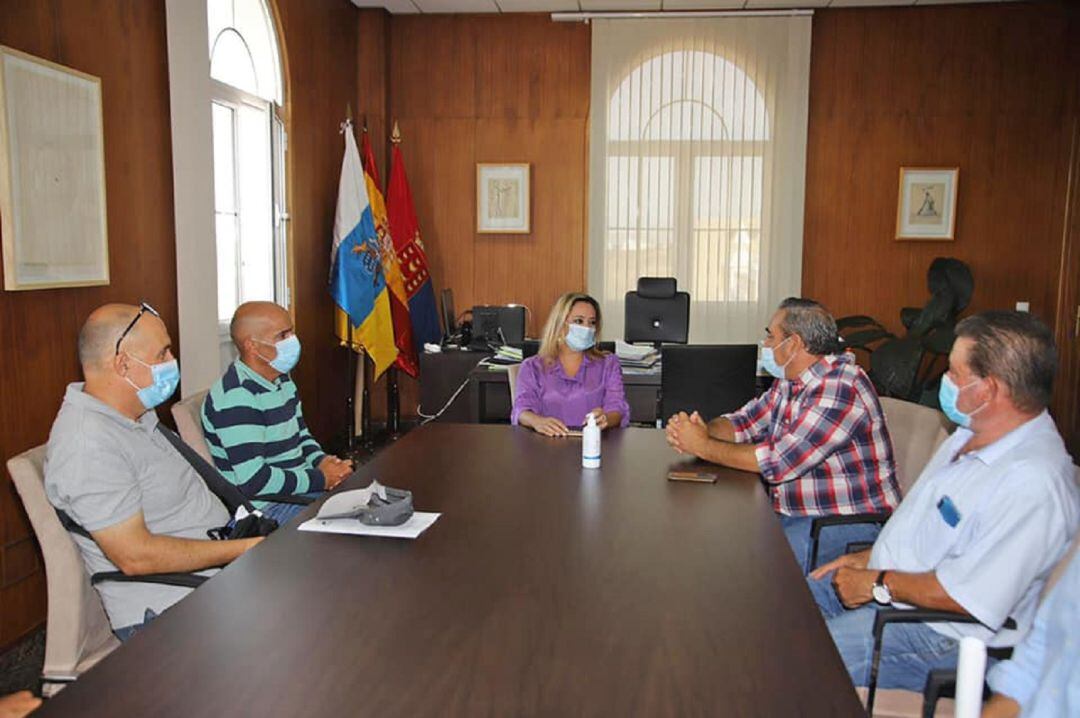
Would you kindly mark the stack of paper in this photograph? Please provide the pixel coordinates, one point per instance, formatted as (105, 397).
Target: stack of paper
(507, 355)
(632, 356)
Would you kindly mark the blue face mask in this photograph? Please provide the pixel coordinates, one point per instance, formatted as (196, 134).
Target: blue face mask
(948, 394)
(288, 354)
(768, 361)
(580, 337)
(164, 378)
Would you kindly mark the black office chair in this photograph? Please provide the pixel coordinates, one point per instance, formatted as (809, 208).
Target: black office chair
(657, 312)
(711, 379)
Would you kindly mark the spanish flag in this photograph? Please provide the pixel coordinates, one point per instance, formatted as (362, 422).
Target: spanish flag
(405, 231)
(357, 283)
(407, 359)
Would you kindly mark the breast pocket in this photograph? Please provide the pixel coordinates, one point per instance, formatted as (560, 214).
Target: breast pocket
(941, 529)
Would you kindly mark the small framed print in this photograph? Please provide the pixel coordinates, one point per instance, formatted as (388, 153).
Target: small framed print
(926, 208)
(502, 198)
(53, 218)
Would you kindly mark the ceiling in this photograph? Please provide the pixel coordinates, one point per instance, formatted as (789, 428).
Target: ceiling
(406, 7)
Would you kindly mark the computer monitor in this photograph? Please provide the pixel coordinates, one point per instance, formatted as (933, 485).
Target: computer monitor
(448, 317)
(496, 325)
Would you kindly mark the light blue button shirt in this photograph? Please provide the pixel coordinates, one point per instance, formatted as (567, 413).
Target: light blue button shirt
(990, 523)
(1043, 675)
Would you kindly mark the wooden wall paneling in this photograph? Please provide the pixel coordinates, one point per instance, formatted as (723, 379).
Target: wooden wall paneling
(1066, 407)
(321, 41)
(978, 87)
(523, 96)
(535, 269)
(372, 85)
(123, 43)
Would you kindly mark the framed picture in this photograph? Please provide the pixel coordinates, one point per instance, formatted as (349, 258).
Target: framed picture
(926, 208)
(52, 175)
(502, 198)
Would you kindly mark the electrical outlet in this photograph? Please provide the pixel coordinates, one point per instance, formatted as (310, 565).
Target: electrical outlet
(1023, 306)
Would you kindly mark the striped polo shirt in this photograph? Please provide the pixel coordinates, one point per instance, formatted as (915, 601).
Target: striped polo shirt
(257, 436)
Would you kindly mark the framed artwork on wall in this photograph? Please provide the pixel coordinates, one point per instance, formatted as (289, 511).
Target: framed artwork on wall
(926, 206)
(502, 198)
(52, 175)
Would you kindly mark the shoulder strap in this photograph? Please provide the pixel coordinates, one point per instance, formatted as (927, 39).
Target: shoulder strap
(218, 484)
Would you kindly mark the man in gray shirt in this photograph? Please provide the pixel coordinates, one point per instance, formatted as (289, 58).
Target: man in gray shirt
(110, 469)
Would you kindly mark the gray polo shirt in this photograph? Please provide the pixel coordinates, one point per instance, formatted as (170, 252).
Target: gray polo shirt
(102, 468)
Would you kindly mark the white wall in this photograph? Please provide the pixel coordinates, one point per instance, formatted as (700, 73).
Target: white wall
(193, 194)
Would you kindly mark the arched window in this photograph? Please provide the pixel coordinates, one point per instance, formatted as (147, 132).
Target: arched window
(697, 165)
(249, 156)
(687, 133)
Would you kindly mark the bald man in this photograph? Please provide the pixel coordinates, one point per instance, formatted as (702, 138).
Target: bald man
(253, 421)
(110, 469)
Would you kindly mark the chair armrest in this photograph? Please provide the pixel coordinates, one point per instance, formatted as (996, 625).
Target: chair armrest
(183, 580)
(856, 546)
(886, 616)
(856, 320)
(940, 683)
(823, 522)
(285, 499)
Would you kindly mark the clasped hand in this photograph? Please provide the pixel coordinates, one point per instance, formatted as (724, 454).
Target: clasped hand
(335, 470)
(687, 434)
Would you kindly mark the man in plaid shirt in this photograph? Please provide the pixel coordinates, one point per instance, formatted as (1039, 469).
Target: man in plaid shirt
(817, 437)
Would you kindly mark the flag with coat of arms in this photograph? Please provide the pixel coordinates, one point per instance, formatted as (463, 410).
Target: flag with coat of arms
(357, 282)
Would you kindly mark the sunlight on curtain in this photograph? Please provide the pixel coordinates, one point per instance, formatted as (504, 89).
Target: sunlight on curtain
(697, 160)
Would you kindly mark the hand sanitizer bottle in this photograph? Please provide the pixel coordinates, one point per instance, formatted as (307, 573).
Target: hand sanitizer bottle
(590, 444)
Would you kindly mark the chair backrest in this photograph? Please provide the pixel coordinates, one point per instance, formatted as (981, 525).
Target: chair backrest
(77, 632)
(188, 415)
(512, 372)
(916, 431)
(656, 312)
(712, 379)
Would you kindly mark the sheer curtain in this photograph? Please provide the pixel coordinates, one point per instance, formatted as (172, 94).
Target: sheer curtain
(698, 165)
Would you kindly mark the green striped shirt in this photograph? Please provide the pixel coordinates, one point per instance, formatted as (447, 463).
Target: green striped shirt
(257, 436)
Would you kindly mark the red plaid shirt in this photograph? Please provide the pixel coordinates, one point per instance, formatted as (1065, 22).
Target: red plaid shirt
(822, 444)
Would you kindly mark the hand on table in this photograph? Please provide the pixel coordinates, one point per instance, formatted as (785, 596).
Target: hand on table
(550, 426)
(687, 434)
(335, 470)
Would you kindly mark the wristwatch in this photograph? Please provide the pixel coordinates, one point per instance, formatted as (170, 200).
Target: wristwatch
(881, 592)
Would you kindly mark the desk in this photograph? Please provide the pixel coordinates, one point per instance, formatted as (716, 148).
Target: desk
(544, 589)
(490, 395)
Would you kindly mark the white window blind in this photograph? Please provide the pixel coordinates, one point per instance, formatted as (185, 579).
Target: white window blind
(698, 164)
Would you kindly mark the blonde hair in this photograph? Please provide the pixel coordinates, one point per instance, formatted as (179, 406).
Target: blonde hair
(554, 331)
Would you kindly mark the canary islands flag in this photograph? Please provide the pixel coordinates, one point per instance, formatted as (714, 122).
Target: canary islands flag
(357, 283)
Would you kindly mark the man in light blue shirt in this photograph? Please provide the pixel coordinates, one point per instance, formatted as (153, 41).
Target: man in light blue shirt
(980, 531)
(1042, 679)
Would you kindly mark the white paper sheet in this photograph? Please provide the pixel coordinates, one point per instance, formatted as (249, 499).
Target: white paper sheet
(416, 525)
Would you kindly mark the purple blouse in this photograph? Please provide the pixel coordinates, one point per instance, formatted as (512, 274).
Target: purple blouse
(548, 391)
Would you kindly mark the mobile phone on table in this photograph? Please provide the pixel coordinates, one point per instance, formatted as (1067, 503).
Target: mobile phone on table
(704, 477)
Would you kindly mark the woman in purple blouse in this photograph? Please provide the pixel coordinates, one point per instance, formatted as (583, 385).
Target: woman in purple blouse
(569, 378)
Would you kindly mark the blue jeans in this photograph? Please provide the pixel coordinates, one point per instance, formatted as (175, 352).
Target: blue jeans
(125, 633)
(909, 651)
(282, 513)
(832, 541)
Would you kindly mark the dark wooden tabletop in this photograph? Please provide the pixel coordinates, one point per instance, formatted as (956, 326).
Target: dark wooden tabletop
(543, 590)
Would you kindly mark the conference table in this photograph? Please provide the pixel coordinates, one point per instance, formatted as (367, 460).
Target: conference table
(544, 589)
